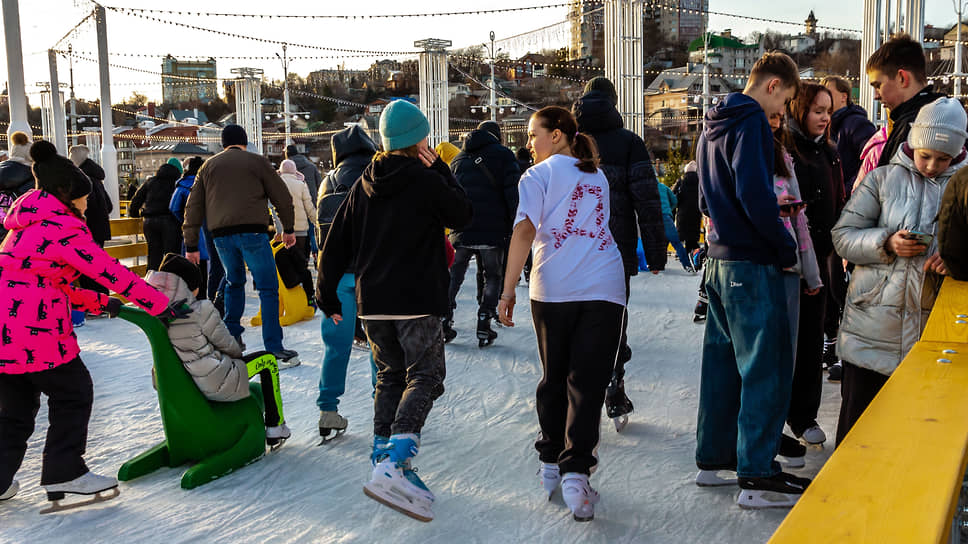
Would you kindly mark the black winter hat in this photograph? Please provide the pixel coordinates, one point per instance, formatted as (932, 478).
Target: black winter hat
(491, 127)
(183, 268)
(234, 135)
(57, 174)
(604, 86)
(291, 151)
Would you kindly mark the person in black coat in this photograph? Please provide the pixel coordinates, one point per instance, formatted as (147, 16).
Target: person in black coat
(16, 178)
(162, 230)
(849, 128)
(633, 198)
(99, 206)
(489, 174)
(688, 216)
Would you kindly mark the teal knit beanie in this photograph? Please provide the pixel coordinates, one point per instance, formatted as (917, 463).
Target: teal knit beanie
(402, 125)
(177, 164)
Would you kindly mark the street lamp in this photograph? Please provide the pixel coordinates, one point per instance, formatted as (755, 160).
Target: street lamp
(492, 52)
(285, 92)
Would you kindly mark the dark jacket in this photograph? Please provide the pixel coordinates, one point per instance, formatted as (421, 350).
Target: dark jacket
(393, 223)
(155, 194)
(688, 218)
(15, 177)
(953, 226)
(821, 182)
(633, 189)
(902, 117)
(311, 174)
(735, 159)
(493, 192)
(850, 130)
(99, 206)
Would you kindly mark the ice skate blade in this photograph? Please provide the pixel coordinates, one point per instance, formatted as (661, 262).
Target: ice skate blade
(56, 506)
(756, 499)
(275, 443)
(583, 518)
(813, 446)
(620, 422)
(325, 435)
(715, 478)
(413, 509)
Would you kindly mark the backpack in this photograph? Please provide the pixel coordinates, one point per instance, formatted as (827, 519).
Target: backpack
(326, 212)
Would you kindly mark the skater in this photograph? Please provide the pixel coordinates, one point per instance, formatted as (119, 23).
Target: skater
(391, 223)
(303, 206)
(747, 363)
(177, 207)
(161, 229)
(15, 175)
(210, 354)
(669, 205)
(48, 247)
(688, 217)
(887, 230)
(564, 211)
(488, 172)
(230, 197)
(636, 209)
(99, 206)
(352, 152)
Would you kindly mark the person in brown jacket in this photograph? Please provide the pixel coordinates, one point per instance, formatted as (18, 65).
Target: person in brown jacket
(230, 196)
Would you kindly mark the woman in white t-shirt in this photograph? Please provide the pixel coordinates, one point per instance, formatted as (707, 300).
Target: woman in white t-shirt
(577, 292)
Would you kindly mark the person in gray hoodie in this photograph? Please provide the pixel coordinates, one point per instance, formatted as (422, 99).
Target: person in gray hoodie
(211, 355)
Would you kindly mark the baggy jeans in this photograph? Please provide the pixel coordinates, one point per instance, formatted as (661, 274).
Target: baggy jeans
(251, 249)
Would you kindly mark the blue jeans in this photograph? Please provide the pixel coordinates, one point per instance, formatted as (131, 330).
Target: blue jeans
(338, 340)
(673, 236)
(216, 274)
(236, 252)
(747, 369)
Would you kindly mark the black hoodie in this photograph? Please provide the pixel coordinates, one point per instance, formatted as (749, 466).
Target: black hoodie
(850, 129)
(633, 189)
(902, 117)
(155, 194)
(495, 198)
(392, 223)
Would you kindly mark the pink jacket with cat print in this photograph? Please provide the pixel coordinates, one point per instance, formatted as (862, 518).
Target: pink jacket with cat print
(46, 249)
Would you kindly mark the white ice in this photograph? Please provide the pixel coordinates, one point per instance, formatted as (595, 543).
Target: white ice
(477, 454)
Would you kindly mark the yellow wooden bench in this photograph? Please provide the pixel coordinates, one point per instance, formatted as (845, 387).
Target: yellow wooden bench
(135, 248)
(123, 207)
(897, 476)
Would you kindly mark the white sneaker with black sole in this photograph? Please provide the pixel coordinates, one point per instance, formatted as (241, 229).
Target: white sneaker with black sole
(782, 490)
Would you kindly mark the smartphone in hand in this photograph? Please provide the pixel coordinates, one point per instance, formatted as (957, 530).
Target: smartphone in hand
(790, 206)
(922, 238)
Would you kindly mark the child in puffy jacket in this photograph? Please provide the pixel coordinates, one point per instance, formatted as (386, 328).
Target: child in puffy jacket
(48, 247)
(211, 355)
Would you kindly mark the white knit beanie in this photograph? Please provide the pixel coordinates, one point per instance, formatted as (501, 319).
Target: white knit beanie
(940, 126)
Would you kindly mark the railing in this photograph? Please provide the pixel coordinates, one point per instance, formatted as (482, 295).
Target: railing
(898, 475)
(127, 244)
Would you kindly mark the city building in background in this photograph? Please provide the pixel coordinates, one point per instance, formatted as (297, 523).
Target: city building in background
(188, 81)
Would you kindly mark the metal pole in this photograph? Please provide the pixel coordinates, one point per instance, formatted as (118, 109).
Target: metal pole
(285, 95)
(70, 56)
(57, 106)
(493, 83)
(16, 89)
(109, 154)
(870, 41)
(957, 73)
(705, 77)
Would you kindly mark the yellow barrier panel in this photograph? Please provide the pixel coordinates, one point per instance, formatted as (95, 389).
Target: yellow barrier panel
(898, 474)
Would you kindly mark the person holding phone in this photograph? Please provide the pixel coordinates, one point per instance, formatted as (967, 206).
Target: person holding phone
(887, 230)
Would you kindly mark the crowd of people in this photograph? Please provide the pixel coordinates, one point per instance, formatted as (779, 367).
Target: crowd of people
(825, 244)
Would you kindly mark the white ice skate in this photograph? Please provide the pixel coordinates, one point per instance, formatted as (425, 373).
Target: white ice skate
(579, 496)
(277, 436)
(287, 358)
(389, 486)
(11, 491)
(103, 488)
(715, 478)
(550, 478)
(781, 490)
(330, 422)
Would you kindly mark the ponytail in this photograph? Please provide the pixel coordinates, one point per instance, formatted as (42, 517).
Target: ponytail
(582, 146)
(584, 149)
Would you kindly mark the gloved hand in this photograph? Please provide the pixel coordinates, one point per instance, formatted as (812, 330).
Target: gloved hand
(113, 307)
(175, 310)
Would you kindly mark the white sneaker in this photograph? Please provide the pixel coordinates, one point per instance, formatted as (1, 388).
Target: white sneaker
(11, 491)
(715, 478)
(814, 435)
(88, 484)
(550, 478)
(579, 496)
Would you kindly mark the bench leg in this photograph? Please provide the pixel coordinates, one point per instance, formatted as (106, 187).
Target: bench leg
(145, 463)
(250, 447)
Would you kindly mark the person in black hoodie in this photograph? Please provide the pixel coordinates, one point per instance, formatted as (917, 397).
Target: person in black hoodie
(99, 206)
(391, 224)
(352, 152)
(162, 231)
(489, 174)
(688, 218)
(635, 205)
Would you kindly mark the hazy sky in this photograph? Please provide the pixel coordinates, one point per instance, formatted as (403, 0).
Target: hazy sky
(44, 22)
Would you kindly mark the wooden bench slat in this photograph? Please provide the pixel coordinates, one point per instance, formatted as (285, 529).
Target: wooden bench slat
(140, 269)
(128, 251)
(126, 226)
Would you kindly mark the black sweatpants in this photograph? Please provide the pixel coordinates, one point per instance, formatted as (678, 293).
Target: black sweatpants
(808, 367)
(578, 343)
(70, 394)
(836, 294)
(858, 387)
(164, 235)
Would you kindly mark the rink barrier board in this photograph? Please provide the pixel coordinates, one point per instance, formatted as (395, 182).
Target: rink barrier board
(127, 242)
(898, 474)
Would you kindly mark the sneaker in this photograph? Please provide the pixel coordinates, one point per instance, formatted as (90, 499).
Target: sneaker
(87, 484)
(276, 436)
(699, 312)
(485, 334)
(829, 357)
(11, 491)
(550, 477)
(579, 496)
(814, 435)
(835, 373)
(792, 452)
(778, 491)
(331, 421)
(286, 358)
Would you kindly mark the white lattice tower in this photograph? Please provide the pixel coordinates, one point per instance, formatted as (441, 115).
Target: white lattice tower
(624, 57)
(434, 96)
(248, 104)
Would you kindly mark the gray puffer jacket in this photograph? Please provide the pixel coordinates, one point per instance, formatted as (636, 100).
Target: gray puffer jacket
(889, 297)
(203, 344)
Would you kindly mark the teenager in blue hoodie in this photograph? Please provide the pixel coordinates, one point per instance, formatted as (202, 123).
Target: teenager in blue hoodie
(747, 363)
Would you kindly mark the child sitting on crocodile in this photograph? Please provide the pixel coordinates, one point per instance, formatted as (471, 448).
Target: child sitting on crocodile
(211, 355)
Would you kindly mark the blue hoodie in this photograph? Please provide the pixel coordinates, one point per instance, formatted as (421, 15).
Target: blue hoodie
(177, 207)
(735, 159)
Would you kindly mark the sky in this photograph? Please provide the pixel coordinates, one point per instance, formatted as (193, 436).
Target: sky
(44, 22)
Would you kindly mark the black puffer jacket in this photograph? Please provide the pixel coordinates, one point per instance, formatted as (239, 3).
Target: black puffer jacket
(310, 174)
(99, 206)
(688, 216)
(494, 198)
(155, 194)
(16, 177)
(821, 182)
(634, 195)
(902, 117)
(850, 130)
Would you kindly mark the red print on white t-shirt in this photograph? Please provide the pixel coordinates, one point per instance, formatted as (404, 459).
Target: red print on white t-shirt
(600, 232)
